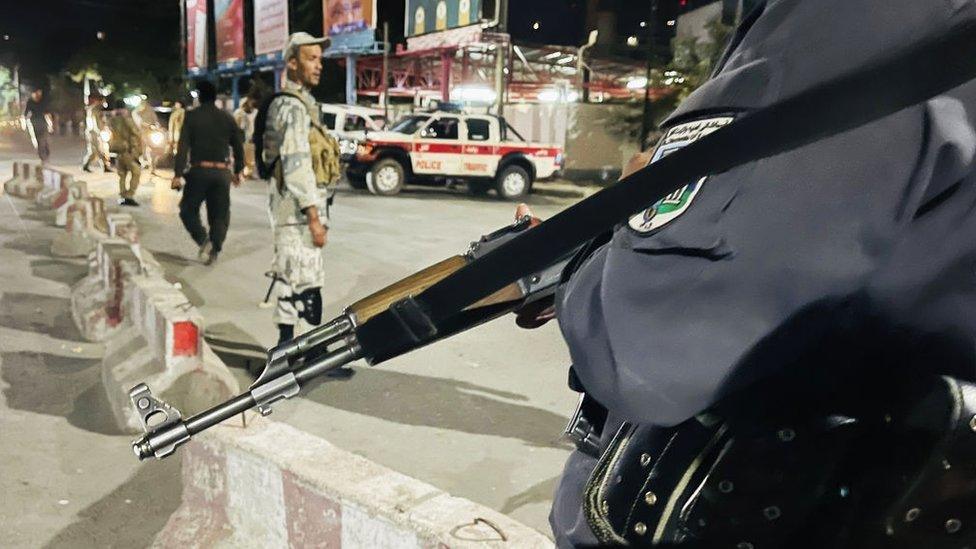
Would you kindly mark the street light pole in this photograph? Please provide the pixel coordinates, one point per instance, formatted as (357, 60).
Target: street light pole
(582, 70)
(183, 45)
(646, 118)
(499, 58)
(386, 72)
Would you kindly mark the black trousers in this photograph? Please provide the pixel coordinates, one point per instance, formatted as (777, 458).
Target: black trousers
(213, 187)
(43, 145)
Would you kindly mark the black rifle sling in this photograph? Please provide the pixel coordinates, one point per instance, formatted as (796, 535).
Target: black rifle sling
(914, 75)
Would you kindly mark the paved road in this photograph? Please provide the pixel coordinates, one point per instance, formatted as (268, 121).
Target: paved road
(478, 415)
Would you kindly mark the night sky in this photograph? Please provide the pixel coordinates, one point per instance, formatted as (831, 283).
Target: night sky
(42, 35)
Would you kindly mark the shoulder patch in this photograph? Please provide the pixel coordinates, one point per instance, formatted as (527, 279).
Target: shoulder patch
(672, 206)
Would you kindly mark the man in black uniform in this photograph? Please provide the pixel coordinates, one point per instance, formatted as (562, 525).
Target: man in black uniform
(38, 123)
(208, 136)
(782, 355)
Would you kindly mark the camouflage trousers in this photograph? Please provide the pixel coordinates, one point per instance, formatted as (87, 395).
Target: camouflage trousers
(94, 149)
(300, 267)
(128, 168)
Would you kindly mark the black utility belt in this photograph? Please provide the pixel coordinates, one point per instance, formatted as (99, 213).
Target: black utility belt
(897, 474)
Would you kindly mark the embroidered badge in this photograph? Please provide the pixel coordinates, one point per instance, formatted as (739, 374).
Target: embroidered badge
(672, 206)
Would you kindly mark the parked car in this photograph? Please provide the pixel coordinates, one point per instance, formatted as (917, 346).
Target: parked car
(350, 124)
(483, 151)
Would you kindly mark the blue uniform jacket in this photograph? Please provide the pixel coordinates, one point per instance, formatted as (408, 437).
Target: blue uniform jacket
(860, 245)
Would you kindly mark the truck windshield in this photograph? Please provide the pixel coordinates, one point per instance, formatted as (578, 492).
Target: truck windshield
(409, 124)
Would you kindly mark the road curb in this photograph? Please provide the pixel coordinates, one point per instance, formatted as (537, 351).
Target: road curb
(271, 485)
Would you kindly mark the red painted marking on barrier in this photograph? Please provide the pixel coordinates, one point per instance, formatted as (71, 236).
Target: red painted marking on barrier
(113, 308)
(186, 336)
(313, 519)
(201, 521)
(61, 199)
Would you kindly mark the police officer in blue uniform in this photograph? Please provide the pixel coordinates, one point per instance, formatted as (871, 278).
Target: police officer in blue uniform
(781, 355)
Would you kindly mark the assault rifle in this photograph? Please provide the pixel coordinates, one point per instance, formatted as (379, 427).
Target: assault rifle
(293, 364)
(491, 279)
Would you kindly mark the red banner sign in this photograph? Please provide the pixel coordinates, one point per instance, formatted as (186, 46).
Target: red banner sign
(229, 16)
(196, 34)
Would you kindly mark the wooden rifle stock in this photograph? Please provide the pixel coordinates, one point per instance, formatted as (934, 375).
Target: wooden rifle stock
(376, 303)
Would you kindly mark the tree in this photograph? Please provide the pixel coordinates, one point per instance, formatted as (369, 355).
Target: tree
(691, 66)
(695, 59)
(128, 71)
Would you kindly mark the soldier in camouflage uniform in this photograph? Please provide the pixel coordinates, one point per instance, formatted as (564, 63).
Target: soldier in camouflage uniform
(127, 143)
(94, 124)
(297, 197)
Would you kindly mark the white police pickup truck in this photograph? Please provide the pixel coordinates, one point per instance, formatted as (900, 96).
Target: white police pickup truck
(350, 124)
(435, 148)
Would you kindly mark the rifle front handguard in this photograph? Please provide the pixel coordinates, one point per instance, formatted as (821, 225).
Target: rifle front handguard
(292, 364)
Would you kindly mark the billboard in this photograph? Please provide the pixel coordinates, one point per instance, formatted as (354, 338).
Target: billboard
(196, 35)
(229, 18)
(270, 26)
(345, 16)
(425, 16)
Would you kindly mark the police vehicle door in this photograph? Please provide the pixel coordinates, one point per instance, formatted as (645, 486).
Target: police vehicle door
(479, 147)
(438, 150)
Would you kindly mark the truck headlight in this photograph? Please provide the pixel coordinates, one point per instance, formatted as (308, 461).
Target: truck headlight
(364, 150)
(106, 135)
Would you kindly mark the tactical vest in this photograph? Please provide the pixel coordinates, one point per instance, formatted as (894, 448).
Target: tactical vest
(125, 137)
(324, 149)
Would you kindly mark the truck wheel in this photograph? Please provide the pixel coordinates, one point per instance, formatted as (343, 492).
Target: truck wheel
(356, 180)
(513, 182)
(386, 178)
(477, 187)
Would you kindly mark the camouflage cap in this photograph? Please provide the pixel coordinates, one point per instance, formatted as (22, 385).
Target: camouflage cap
(299, 39)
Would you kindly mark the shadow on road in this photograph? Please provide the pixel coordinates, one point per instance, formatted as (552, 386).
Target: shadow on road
(540, 195)
(540, 492)
(38, 313)
(167, 258)
(57, 270)
(60, 386)
(30, 245)
(132, 514)
(236, 348)
(441, 403)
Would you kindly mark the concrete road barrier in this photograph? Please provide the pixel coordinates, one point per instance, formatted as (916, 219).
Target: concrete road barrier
(96, 301)
(122, 226)
(29, 182)
(81, 214)
(76, 190)
(163, 346)
(54, 189)
(269, 485)
(151, 331)
(17, 171)
(152, 334)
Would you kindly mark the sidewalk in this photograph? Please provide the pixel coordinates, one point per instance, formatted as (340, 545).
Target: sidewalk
(69, 479)
(459, 415)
